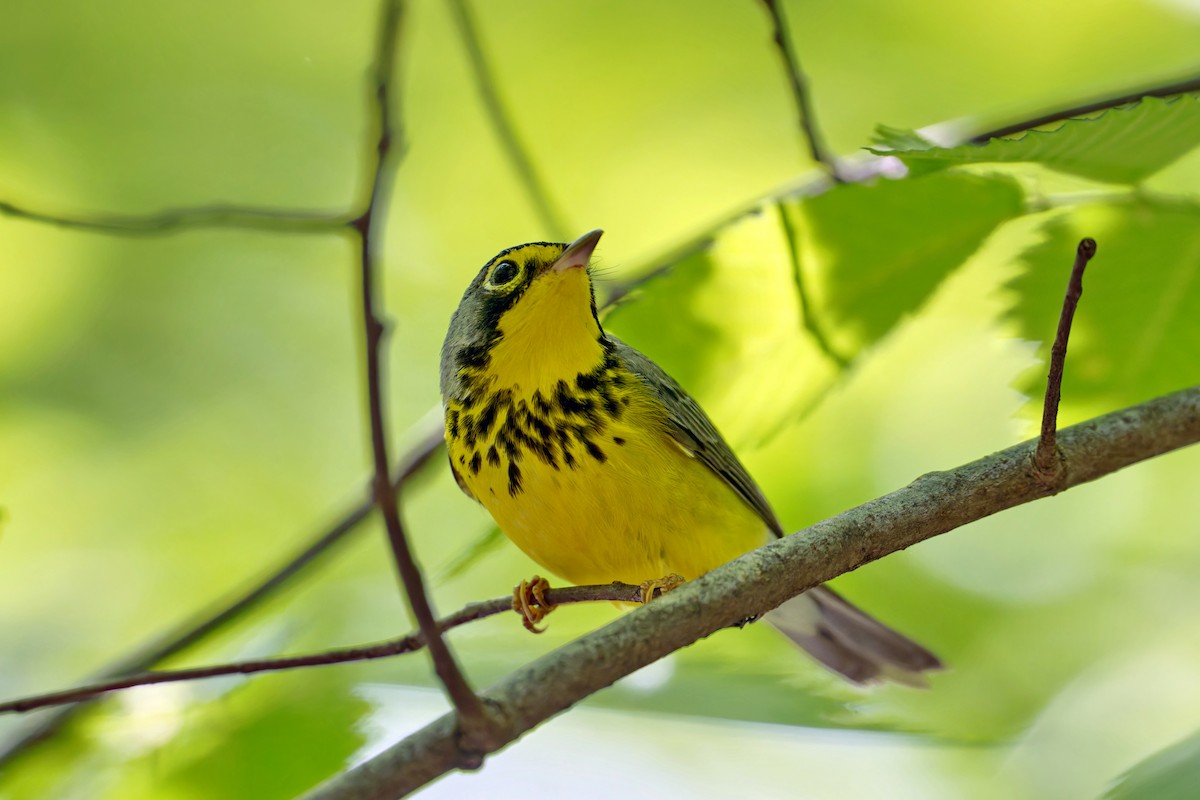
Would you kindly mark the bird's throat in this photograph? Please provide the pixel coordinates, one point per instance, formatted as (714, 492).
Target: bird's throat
(551, 334)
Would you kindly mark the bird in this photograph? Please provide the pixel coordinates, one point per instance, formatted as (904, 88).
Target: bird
(602, 468)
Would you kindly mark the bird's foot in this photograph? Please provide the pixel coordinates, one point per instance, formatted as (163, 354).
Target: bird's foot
(660, 586)
(529, 600)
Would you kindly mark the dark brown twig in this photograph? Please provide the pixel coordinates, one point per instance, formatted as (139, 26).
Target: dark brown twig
(188, 634)
(204, 624)
(506, 130)
(616, 592)
(799, 84)
(229, 216)
(177, 219)
(1046, 459)
(934, 503)
(1191, 84)
(303, 221)
(469, 707)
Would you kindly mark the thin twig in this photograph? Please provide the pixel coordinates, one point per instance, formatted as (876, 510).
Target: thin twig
(302, 221)
(811, 322)
(469, 707)
(615, 592)
(1046, 460)
(187, 634)
(190, 633)
(384, 63)
(799, 84)
(177, 219)
(1191, 84)
(551, 217)
(764, 578)
(203, 625)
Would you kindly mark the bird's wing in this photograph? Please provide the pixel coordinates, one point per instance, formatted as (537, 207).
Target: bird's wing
(461, 483)
(695, 432)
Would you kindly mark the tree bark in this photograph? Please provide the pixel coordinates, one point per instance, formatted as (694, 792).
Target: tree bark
(763, 579)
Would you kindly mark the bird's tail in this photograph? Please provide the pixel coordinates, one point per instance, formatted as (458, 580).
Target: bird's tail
(849, 641)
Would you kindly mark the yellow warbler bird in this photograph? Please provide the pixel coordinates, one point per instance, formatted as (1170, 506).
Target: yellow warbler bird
(602, 468)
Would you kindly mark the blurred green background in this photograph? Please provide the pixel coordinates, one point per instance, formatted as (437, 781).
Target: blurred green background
(179, 411)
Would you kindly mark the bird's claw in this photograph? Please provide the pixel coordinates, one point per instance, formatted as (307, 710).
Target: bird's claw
(529, 600)
(660, 586)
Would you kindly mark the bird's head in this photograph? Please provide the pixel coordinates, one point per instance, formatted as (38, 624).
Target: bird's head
(528, 320)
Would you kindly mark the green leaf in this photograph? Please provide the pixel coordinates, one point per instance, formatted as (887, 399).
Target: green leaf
(268, 739)
(1135, 334)
(726, 323)
(890, 139)
(1122, 145)
(273, 736)
(872, 254)
(759, 323)
(1170, 774)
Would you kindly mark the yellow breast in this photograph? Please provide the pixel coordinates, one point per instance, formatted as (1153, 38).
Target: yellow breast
(588, 482)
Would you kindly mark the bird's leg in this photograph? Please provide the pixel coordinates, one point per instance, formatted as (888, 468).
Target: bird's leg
(661, 586)
(529, 600)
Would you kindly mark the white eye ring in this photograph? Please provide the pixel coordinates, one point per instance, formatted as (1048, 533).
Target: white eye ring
(505, 266)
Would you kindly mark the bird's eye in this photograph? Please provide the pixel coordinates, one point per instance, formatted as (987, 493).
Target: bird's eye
(503, 274)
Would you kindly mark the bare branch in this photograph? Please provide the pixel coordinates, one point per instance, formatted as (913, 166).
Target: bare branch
(384, 62)
(612, 592)
(1046, 459)
(195, 630)
(205, 623)
(762, 579)
(171, 220)
(799, 84)
(281, 220)
(468, 705)
(307, 221)
(550, 215)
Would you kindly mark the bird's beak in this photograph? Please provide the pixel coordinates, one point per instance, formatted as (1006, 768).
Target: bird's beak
(578, 252)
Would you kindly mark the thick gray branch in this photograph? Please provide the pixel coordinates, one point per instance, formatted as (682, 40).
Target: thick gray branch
(763, 579)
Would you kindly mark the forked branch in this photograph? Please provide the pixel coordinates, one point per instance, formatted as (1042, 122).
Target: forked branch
(368, 225)
(1046, 459)
(613, 592)
(763, 579)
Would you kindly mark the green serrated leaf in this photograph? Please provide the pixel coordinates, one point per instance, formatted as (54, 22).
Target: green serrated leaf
(760, 323)
(1122, 145)
(891, 139)
(1170, 774)
(1135, 334)
(872, 254)
(727, 324)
